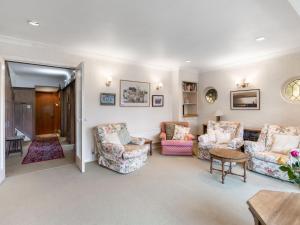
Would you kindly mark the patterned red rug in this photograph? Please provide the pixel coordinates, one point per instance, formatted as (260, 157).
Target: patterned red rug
(44, 149)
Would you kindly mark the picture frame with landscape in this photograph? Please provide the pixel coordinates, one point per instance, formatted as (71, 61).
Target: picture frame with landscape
(108, 99)
(134, 94)
(245, 99)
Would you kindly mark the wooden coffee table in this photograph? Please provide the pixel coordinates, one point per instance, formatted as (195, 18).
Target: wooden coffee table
(275, 208)
(230, 156)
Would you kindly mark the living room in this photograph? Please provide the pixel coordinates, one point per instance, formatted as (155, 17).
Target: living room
(145, 63)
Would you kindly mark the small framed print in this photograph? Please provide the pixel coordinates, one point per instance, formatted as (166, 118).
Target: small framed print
(107, 99)
(157, 100)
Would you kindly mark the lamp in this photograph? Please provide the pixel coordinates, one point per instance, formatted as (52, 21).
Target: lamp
(159, 86)
(218, 115)
(243, 83)
(108, 81)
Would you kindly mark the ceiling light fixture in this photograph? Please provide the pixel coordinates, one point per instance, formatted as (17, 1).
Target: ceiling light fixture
(187, 61)
(33, 23)
(258, 39)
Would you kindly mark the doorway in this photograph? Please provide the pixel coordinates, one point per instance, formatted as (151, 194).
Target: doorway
(54, 113)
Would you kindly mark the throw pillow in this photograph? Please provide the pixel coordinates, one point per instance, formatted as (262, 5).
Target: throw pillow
(124, 136)
(211, 135)
(170, 127)
(223, 137)
(111, 138)
(180, 132)
(283, 143)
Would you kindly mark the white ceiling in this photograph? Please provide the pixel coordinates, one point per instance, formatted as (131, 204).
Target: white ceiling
(30, 76)
(210, 33)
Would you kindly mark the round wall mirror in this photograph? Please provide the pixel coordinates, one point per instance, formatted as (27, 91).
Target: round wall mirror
(211, 95)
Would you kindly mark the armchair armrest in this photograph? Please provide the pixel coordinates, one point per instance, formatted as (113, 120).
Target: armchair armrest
(163, 136)
(251, 147)
(236, 143)
(203, 139)
(137, 141)
(190, 137)
(113, 149)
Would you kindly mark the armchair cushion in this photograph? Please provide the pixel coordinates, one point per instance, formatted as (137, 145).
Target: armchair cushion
(205, 138)
(251, 147)
(137, 141)
(236, 143)
(124, 136)
(113, 149)
(111, 138)
(170, 128)
(180, 132)
(133, 151)
(284, 143)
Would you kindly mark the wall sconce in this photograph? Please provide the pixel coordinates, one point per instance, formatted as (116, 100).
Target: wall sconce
(243, 83)
(159, 86)
(108, 81)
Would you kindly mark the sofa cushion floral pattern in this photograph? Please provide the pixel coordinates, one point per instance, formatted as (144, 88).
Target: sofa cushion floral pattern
(120, 158)
(262, 160)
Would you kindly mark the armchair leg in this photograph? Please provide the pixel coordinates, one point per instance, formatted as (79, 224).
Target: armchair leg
(211, 161)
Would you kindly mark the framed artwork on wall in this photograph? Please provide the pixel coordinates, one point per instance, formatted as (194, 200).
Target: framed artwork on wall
(157, 100)
(107, 99)
(134, 93)
(245, 99)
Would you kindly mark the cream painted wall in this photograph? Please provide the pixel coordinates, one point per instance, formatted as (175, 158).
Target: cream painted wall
(143, 121)
(268, 76)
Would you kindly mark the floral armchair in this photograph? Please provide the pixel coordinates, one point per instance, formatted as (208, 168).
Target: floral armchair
(234, 131)
(121, 158)
(262, 159)
(175, 147)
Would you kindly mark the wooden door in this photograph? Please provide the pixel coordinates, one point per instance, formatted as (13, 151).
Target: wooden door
(47, 113)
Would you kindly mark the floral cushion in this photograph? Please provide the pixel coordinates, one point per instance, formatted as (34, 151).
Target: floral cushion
(132, 151)
(271, 157)
(111, 138)
(181, 132)
(124, 136)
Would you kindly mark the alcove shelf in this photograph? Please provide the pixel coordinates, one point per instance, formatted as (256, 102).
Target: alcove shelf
(190, 99)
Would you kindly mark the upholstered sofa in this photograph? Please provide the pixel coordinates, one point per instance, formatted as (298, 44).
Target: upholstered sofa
(121, 158)
(209, 141)
(263, 160)
(175, 147)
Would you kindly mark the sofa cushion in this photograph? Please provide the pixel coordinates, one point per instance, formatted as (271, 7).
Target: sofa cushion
(276, 129)
(271, 157)
(132, 151)
(181, 132)
(223, 137)
(170, 127)
(283, 143)
(124, 136)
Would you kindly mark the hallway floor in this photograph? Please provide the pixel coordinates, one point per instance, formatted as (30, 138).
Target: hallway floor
(15, 167)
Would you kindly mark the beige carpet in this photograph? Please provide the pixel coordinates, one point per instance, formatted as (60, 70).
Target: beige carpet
(14, 166)
(167, 191)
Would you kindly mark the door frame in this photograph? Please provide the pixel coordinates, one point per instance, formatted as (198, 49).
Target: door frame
(2, 119)
(2, 109)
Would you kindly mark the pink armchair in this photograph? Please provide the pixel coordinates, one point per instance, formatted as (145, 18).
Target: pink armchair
(176, 147)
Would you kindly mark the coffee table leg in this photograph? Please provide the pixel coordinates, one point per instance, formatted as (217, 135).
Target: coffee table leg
(230, 167)
(211, 161)
(222, 172)
(245, 163)
(150, 147)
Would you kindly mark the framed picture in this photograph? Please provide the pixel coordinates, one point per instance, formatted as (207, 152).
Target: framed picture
(245, 100)
(134, 94)
(157, 100)
(107, 99)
